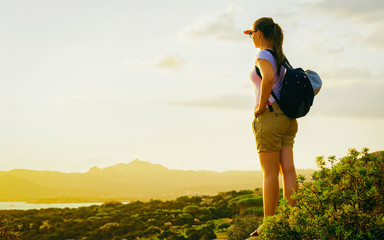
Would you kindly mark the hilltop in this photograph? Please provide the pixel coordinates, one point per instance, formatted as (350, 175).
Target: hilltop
(137, 180)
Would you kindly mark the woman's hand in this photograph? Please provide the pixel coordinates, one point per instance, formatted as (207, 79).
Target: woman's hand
(259, 110)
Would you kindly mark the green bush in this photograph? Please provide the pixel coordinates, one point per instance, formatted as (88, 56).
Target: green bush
(249, 204)
(205, 232)
(242, 226)
(7, 232)
(192, 209)
(344, 201)
(168, 235)
(223, 226)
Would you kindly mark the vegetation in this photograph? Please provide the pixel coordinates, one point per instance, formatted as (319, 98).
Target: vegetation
(6, 233)
(344, 201)
(242, 226)
(196, 217)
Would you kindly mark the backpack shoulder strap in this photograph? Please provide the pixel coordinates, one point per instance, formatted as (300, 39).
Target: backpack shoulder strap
(273, 94)
(275, 97)
(285, 63)
(258, 72)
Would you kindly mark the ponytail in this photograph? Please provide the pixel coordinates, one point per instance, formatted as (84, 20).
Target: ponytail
(278, 38)
(273, 31)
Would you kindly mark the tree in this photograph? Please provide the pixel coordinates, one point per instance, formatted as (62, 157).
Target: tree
(205, 232)
(184, 219)
(192, 209)
(223, 226)
(10, 230)
(344, 201)
(170, 236)
(152, 230)
(244, 203)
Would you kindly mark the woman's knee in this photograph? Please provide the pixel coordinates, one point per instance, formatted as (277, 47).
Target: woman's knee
(288, 171)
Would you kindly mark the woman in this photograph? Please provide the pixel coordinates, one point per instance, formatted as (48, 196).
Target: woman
(274, 131)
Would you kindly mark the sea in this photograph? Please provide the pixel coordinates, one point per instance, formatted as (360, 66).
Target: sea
(27, 206)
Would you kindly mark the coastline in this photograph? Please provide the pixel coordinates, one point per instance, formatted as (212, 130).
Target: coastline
(34, 205)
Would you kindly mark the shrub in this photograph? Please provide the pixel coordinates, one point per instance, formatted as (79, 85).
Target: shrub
(192, 209)
(249, 204)
(171, 236)
(344, 201)
(205, 232)
(223, 226)
(152, 230)
(242, 226)
(6, 231)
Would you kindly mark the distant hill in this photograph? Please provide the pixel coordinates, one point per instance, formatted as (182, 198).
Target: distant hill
(138, 180)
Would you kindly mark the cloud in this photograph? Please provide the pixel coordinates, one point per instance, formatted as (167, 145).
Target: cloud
(137, 62)
(168, 61)
(366, 11)
(358, 100)
(163, 61)
(220, 26)
(339, 76)
(78, 99)
(224, 101)
(365, 17)
(361, 99)
(375, 37)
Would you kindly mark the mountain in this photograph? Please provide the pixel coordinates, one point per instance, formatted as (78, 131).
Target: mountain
(138, 180)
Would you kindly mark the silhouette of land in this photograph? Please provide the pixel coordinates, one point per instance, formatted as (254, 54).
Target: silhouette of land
(138, 180)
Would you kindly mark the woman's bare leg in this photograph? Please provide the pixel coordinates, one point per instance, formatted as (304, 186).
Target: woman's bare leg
(289, 173)
(270, 163)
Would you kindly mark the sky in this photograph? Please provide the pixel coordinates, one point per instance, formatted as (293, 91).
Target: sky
(95, 83)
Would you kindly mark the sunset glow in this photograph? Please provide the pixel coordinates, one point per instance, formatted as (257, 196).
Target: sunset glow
(87, 83)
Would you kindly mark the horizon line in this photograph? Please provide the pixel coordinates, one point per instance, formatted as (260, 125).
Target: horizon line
(141, 161)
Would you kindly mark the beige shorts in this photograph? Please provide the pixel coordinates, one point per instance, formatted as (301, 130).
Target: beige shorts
(273, 130)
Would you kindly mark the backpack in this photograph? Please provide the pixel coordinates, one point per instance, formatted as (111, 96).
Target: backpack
(298, 90)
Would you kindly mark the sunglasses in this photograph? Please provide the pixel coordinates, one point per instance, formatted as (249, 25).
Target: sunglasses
(249, 32)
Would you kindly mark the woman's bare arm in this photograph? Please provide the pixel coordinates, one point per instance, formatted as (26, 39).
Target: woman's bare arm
(266, 84)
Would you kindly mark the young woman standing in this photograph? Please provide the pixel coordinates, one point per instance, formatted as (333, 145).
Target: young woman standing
(274, 131)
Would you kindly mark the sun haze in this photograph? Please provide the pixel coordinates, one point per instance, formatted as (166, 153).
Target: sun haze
(87, 83)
